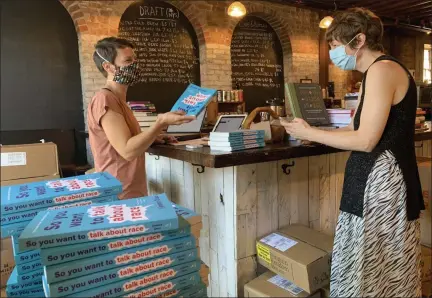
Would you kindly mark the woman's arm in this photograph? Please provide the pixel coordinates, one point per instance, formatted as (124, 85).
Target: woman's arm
(379, 93)
(118, 133)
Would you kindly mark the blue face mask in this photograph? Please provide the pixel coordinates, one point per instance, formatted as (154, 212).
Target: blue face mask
(341, 59)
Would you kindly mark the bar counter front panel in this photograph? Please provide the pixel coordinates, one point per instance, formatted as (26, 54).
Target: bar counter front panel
(244, 195)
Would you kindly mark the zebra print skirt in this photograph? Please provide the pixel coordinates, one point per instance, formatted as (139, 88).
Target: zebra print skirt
(378, 255)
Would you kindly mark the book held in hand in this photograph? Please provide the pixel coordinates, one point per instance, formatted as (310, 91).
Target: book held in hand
(193, 100)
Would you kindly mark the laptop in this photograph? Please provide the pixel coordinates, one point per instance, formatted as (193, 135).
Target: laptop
(229, 123)
(187, 131)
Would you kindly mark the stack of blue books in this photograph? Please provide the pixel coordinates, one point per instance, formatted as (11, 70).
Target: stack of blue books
(22, 203)
(236, 140)
(140, 247)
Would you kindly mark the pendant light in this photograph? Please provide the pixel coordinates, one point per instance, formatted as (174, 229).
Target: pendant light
(236, 9)
(326, 21)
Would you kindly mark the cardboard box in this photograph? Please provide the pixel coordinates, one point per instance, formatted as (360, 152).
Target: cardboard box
(425, 168)
(28, 180)
(7, 263)
(426, 263)
(273, 285)
(299, 254)
(29, 161)
(427, 289)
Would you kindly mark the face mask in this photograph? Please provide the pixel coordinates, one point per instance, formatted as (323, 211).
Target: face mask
(341, 59)
(126, 75)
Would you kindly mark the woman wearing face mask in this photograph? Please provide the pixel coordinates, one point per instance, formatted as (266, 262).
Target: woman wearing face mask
(376, 251)
(116, 140)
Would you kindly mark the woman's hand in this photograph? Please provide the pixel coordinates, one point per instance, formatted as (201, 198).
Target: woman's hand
(174, 118)
(165, 139)
(298, 128)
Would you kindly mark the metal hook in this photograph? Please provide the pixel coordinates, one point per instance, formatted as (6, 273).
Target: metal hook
(201, 169)
(157, 157)
(285, 167)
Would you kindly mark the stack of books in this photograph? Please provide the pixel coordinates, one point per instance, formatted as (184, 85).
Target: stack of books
(144, 112)
(137, 248)
(236, 140)
(340, 117)
(420, 123)
(21, 203)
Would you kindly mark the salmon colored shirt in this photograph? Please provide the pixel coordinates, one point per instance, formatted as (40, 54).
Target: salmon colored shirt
(130, 173)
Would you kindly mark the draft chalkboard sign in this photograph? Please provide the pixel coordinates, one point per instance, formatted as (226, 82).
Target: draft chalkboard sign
(257, 62)
(166, 48)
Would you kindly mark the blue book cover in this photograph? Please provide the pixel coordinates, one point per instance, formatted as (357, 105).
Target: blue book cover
(61, 254)
(193, 100)
(28, 215)
(189, 215)
(238, 134)
(16, 198)
(14, 284)
(35, 292)
(25, 257)
(140, 269)
(28, 267)
(13, 230)
(99, 222)
(165, 280)
(103, 262)
(30, 276)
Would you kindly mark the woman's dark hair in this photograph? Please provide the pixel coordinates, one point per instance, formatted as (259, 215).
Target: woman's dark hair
(107, 48)
(347, 24)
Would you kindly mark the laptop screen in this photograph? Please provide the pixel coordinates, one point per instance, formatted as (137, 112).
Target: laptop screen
(229, 123)
(191, 127)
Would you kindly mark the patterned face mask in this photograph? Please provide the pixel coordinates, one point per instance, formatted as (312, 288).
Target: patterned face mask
(126, 75)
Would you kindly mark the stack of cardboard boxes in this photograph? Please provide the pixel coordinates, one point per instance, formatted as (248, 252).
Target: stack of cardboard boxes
(425, 166)
(22, 164)
(299, 262)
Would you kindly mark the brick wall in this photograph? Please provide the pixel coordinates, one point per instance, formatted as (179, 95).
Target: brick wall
(297, 29)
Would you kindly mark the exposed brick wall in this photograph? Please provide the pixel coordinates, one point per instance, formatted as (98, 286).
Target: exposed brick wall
(297, 30)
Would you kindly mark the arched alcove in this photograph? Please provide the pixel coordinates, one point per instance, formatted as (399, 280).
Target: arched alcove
(167, 49)
(257, 61)
(41, 94)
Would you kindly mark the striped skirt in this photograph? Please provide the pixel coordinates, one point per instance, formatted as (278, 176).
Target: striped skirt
(378, 255)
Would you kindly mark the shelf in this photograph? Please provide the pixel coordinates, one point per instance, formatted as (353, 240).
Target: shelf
(231, 102)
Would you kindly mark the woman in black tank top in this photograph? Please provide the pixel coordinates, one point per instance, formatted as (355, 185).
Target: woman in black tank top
(377, 248)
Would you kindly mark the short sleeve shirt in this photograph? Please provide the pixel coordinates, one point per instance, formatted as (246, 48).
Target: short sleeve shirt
(130, 173)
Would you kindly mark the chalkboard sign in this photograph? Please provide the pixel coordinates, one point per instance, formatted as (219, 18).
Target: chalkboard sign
(166, 48)
(257, 62)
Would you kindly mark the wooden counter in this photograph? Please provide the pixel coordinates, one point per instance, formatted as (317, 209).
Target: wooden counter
(244, 195)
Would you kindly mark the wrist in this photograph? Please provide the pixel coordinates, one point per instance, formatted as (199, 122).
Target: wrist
(160, 124)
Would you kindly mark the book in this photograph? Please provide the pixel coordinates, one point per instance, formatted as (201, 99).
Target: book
(91, 223)
(193, 100)
(35, 292)
(62, 254)
(141, 269)
(159, 278)
(25, 257)
(238, 134)
(30, 276)
(14, 229)
(236, 143)
(14, 284)
(237, 148)
(28, 267)
(16, 198)
(74, 269)
(165, 289)
(27, 215)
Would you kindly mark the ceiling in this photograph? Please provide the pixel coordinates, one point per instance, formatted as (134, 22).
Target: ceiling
(417, 13)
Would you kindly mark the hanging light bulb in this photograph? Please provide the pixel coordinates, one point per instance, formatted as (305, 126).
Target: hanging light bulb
(326, 22)
(236, 9)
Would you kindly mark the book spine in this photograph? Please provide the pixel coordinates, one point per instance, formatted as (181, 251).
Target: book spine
(62, 254)
(14, 229)
(141, 269)
(158, 278)
(21, 286)
(36, 292)
(26, 257)
(30, 214)
(30, 276)
(45, 202)
(96, 235)
(71, 270)
(28, 267)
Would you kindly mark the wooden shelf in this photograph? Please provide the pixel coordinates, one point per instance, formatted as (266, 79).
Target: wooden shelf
(232, 102)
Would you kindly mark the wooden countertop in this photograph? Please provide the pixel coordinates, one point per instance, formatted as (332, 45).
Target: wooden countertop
(272, 152)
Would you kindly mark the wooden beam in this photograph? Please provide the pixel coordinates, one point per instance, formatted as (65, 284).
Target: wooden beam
(402, 6)
(425, 14)
(389, 6)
